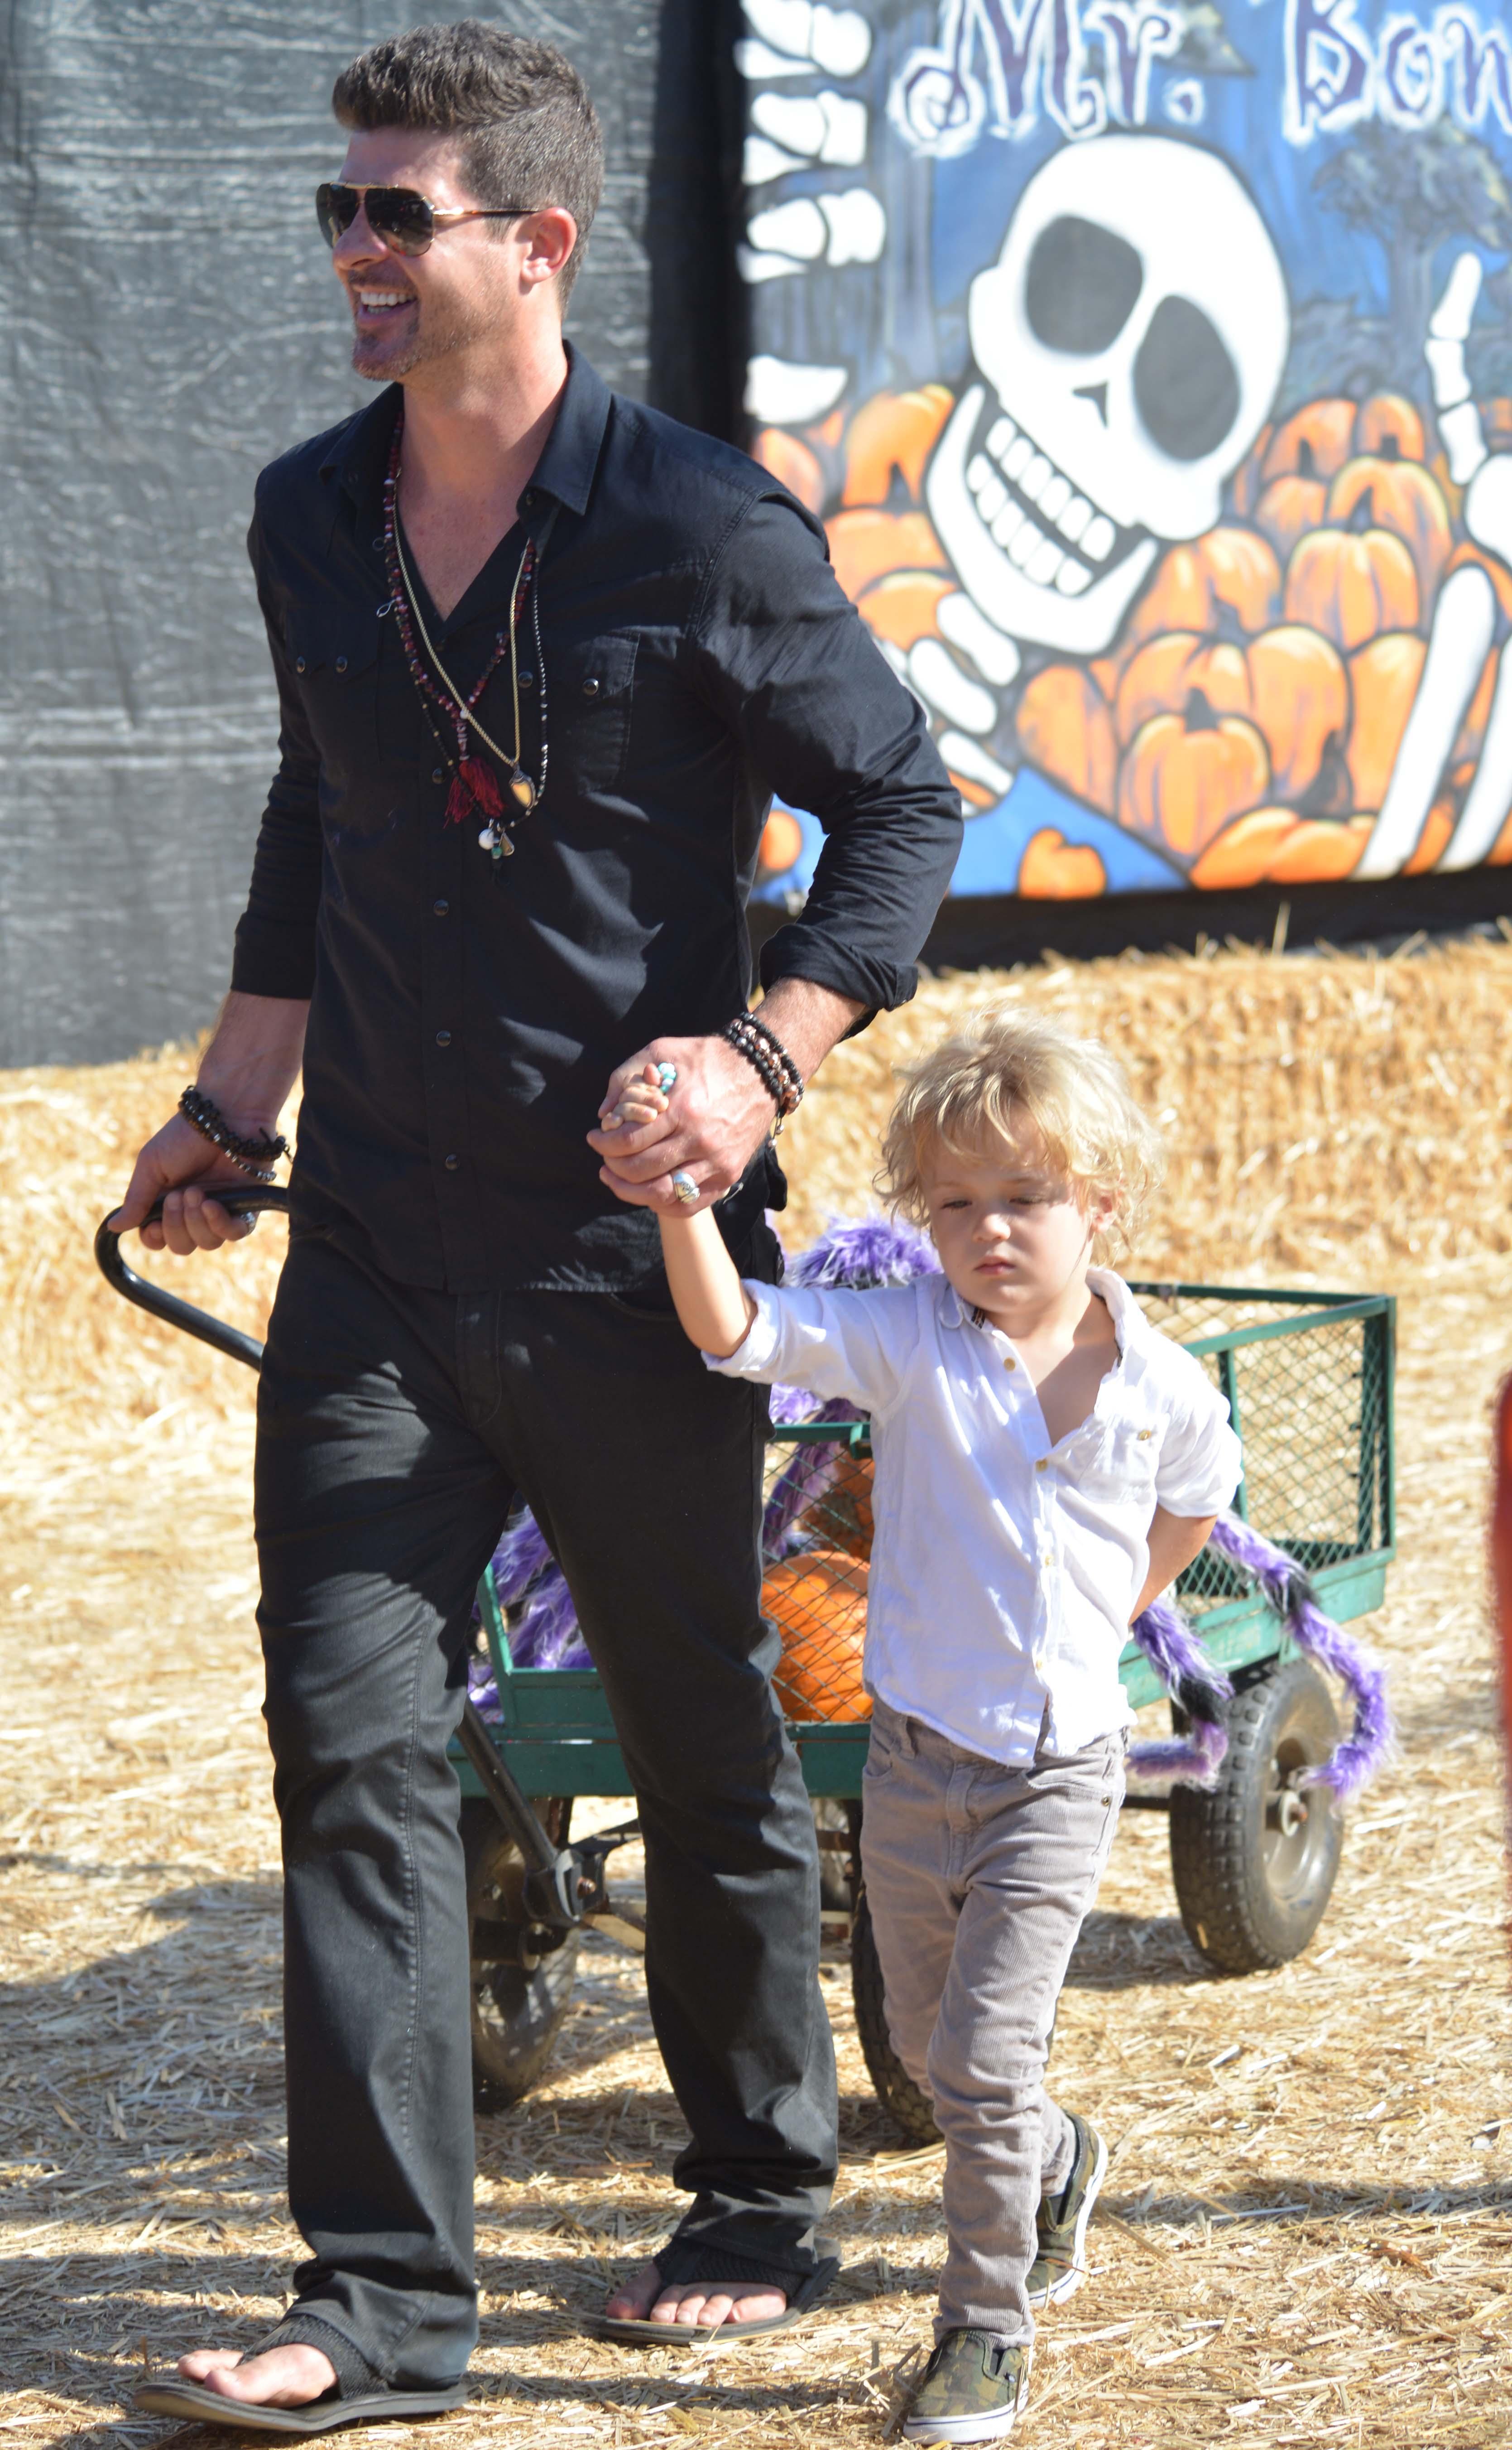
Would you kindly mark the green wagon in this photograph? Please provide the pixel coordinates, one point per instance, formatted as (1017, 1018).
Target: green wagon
(1308, 1380)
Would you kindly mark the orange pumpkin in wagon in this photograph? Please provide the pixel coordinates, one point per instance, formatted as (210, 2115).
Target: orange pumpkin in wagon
(818, 1602)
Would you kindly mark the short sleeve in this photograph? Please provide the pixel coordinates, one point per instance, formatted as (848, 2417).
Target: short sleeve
(1201, 1463)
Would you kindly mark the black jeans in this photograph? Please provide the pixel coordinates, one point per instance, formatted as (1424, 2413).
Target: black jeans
(395, 1427)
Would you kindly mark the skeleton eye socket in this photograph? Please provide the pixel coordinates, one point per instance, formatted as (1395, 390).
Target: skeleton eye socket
(1080, 287)
(1185, 386)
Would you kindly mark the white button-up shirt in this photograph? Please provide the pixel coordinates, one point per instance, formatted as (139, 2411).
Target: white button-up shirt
(1003, 1569)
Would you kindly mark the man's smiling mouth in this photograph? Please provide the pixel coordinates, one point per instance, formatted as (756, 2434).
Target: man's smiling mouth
(381, 302)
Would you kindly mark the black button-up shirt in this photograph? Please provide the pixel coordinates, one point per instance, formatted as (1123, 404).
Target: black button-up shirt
(466, 1013)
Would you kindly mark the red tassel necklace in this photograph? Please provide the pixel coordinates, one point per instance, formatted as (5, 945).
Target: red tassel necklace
(475, 790)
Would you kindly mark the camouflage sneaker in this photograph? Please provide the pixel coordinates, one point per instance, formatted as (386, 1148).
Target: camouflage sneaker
(1060, 2265)
(973, 2388)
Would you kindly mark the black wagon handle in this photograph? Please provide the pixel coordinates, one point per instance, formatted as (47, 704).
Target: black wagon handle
(169, 1307)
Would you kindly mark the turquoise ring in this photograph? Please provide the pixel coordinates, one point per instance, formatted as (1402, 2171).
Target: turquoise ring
(667, 1077)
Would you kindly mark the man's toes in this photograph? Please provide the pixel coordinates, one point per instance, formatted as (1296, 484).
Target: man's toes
(702, 2313)
(633, 2302)
(764, 2307)
(202, 2362)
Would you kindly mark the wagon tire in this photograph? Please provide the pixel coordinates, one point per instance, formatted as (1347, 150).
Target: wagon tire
(909, 2108)
(1255, 1859)
(517, 2009)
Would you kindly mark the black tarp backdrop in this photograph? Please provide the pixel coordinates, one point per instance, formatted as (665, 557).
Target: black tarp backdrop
(170, 323)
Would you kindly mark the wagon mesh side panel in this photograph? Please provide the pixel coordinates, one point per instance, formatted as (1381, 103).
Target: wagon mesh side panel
(1310, 1406)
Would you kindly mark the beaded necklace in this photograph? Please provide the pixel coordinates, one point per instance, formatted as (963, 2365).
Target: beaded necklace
(474, 789)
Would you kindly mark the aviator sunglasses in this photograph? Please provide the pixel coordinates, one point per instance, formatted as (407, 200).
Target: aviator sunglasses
(404, 219)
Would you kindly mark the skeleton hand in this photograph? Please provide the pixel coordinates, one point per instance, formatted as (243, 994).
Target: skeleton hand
(1463, 626)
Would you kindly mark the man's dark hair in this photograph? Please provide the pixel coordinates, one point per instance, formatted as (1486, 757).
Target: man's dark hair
(528, 133)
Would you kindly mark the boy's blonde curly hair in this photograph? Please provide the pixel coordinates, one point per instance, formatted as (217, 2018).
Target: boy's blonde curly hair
(1010, 1073)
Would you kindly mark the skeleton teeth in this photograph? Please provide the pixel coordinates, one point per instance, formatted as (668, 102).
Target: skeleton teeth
(979, 474)
(1018, 457)
(1071, 521)
(1025, 543)
(1046, 562)
(1036, 476)
(1073, 577)
(991, 497)
(1007, 523)
(1097, 542)
(1002, 435)
(1055, 497)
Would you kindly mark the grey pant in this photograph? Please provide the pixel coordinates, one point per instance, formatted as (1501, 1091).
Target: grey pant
(978, 1877)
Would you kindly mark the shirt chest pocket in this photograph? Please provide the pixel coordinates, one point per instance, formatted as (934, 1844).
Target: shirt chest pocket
(1119, 1466)
(334, 666)
(589, 714)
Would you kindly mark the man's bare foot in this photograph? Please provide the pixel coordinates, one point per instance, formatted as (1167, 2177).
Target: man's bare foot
(699, 2303)
(280, 2378)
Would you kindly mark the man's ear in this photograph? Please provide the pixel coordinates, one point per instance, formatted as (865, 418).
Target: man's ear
(549, 237)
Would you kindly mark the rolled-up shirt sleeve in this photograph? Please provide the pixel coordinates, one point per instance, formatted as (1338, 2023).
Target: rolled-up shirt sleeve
(1201, 1463)
(834, 1343)
(276, 935)
(784, 656)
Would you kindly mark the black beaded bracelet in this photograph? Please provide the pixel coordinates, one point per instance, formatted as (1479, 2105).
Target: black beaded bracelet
(759, 1044)
(780, 1056)
(254, 1157)
(760, 1064)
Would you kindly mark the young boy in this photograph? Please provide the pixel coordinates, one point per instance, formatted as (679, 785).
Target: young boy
(1046, 1463)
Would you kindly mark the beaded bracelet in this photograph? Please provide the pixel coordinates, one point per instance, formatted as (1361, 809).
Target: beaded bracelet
(778, 1083)
(254, 1157)
(782, 1060)
(756, 1057)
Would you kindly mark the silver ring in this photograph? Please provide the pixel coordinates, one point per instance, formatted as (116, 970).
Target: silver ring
(685, 1188)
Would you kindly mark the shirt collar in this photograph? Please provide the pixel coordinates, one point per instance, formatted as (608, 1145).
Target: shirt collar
(360, 450)
(1129, 1320)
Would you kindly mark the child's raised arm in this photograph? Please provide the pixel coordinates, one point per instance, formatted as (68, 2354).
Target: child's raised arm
(714, 1305)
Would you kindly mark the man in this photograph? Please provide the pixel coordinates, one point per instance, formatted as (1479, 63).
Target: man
(468, 1312)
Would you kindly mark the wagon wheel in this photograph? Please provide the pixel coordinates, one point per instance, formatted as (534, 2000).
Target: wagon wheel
(1254, 1861)
(896, 2089)
(519, 1998)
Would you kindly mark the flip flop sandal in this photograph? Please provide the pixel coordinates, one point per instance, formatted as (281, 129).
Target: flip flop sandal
(192, 2404)
(356, 2398)
(683, 2260)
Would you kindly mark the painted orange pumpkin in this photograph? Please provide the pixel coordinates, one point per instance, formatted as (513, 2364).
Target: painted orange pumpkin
(1291, 505)
(1318, 850)
(1403, 500)
(1065, 728)
(866, 545)
(1389, 427)
(1161, 677)
(1299, 701)
(1052, 870)
(1383, 678)
(782, 840)
(1326, 426)
(902, 607)
(892, 432)
(1230, 569)
(1243, 852)
(792, 464)
(1352, 587)
(818, 1602)
(1249, 483)
(1186, 775)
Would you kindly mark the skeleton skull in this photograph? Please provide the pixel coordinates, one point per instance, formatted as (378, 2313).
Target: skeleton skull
(1133, 335)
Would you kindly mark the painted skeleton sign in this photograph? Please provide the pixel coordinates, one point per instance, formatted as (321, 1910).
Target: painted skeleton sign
(1150, 362)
